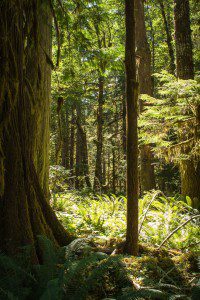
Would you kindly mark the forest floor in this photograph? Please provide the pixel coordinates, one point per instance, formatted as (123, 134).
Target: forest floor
(173, 268)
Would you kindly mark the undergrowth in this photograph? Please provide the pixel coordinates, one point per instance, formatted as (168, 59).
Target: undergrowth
(104, 218)
(71, 275)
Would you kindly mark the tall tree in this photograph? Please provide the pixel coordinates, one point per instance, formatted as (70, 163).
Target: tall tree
(25, 46)
(189, 170)
(72, 146)
(98, 178)
(147, 176)
(169, 37)
(82, 165)
(66, 137)
(183, 40)
(132, 132)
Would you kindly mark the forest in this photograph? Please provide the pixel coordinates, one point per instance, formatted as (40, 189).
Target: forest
(99, 149)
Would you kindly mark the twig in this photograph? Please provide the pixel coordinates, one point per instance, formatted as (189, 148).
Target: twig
(165, 274)
(176, 229)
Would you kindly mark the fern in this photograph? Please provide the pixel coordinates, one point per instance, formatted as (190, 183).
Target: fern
(61, 277)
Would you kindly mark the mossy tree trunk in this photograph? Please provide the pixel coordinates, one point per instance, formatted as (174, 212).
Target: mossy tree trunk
(24, 107)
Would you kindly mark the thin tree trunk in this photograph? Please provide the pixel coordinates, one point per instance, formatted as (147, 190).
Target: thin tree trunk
(79, 168)
(84, 149)
(153, 50)
(124, 123)
(113, 170)
(169, 37)
(104, 169)
(72, 147)
(59, 143)
(65, 146)
(99, 142)
(131, 246)
(183, 41)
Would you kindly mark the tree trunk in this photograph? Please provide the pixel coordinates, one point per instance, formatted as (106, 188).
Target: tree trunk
(98, 166)
(146, 156)
(190, 183)
(24, 209)
(147, 176)
(84, 151)
(79, 169)
(169, 37)
(124, 122)
(72, 147)
(190, 174)
(65, 145)
(183, 41)
(152, 38)
(131, 245)
(113, 170)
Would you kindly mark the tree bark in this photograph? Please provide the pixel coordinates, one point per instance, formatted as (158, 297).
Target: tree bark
(65, 145)
(113, 170)
(169, 37)
(183, 41)
(131, 245)
(72, 146)
(84, 151)
(79, 168)
(98, 166)
(144, 71)
(189, 170)
(24, 210)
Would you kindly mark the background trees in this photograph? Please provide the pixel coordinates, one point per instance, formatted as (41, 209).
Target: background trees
(92, 74)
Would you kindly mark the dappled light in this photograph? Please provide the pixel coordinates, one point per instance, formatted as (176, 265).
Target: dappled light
(99, 150)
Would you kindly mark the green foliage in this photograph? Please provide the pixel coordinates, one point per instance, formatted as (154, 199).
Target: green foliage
(174, 110)
(90, 276)
(106, 216)
(59, 277)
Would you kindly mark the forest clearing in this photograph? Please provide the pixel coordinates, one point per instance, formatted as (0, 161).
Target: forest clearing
(99, 149)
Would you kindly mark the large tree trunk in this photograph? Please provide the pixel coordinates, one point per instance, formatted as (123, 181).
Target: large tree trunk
(146, 156)
(132, 134)
(24, 209)
(190, 174)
